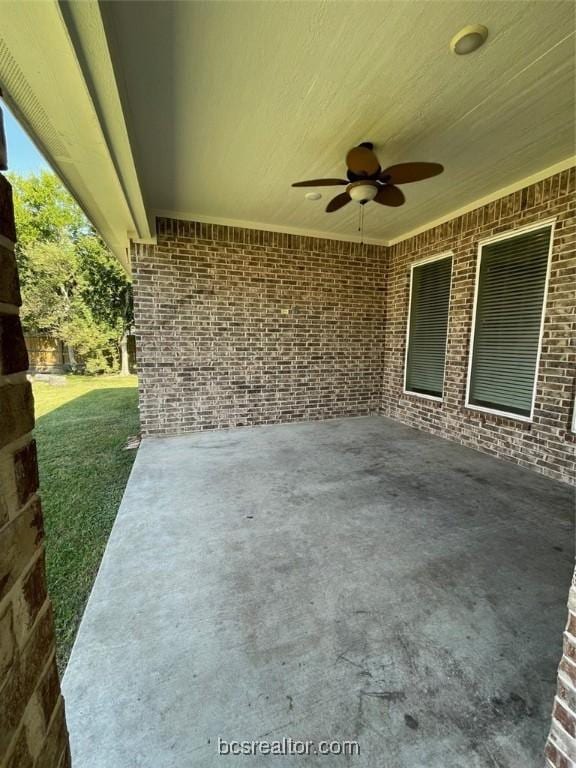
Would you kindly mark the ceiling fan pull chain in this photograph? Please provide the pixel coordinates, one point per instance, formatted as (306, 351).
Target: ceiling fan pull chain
(361, 225)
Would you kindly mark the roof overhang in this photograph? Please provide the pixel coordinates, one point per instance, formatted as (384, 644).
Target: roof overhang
(56, 76)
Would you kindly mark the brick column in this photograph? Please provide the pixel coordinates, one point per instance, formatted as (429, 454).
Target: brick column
(561, 747)
(33, 730)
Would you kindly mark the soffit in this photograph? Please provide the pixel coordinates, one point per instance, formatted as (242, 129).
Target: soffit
(228, 103)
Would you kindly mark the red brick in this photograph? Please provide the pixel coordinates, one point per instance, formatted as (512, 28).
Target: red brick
(34, 591)
(241, 326)
(557, 759)
(16, 411)
(13, 353)
(9, 284)
(26, 472)
(566, 719)
(19, 541)
(20, 756)
(7, 642)
(28, 685)
(56, 742)
(22, 680)
(7, 228)
(49, 691)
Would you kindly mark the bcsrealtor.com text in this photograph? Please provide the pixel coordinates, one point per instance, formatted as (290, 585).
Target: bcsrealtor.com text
(287, 746)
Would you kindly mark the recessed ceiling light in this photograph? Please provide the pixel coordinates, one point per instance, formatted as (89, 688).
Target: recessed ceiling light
(469, 39)
(312, 195)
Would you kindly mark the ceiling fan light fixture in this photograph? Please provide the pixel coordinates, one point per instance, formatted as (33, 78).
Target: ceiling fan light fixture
(368, 182)
(469, 39)
(362, 193)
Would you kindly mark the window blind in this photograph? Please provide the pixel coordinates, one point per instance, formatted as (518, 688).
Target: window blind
(430, 296)
(509, 308)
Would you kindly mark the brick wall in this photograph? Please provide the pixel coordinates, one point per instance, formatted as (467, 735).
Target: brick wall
(32, 726)
(561, 747)
(546, 445)
(237, 326)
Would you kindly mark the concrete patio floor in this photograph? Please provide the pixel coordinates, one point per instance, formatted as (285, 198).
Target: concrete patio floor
(350, 579)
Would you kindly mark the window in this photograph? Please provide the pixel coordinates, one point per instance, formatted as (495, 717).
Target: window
(510, 295)
(427, 326)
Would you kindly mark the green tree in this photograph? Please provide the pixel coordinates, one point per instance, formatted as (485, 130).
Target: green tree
(44, 210)
(72, 286)
(50, 282)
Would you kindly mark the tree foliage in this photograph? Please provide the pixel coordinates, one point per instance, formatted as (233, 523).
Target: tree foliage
(72, 286)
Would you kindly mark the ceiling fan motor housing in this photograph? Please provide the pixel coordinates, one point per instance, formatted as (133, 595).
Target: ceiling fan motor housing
(362, 191)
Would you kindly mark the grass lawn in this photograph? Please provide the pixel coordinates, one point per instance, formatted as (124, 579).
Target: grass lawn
(81, 429)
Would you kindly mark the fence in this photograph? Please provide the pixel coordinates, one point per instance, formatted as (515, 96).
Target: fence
(46, 354)
(50, 355)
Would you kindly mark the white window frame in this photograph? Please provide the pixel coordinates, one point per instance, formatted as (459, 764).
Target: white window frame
(542, 224)
(419, 263)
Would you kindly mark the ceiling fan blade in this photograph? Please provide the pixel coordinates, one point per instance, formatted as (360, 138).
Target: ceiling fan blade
(338, 202)
(407, 172)
(321, 183)
(390, 195)
(362, 161)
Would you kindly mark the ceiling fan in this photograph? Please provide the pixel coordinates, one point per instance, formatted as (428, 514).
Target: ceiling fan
(367, 181)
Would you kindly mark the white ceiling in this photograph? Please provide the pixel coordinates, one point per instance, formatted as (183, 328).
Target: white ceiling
(211, 109)
(227, 103)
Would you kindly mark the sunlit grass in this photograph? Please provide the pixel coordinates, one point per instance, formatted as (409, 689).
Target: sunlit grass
(81, 429)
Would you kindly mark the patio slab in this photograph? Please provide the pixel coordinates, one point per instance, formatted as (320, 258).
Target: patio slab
(341, 580)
